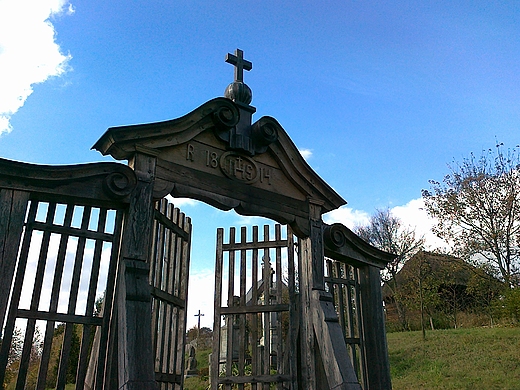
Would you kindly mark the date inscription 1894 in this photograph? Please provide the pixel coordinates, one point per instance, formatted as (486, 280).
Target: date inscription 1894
(234, 165)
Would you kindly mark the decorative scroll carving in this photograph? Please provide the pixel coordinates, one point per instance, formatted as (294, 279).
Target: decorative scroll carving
(334, 236)
(95, 181)
(264, 132)
(225, 117)
(119, 184)
(344, 245)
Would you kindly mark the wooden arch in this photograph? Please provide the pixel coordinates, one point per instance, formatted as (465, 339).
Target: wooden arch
(197, 158)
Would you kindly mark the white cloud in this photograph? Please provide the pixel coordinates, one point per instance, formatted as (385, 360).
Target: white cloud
(306, 153)
(347, 216)
(412, 215)
(182, 202)
(28, 51)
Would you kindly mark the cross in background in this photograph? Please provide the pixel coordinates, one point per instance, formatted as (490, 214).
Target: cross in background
(198, 325)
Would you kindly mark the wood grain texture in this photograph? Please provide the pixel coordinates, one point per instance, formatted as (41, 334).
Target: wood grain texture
(12, 215)
(378, 368)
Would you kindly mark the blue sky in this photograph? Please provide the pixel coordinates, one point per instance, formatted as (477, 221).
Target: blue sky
(380, 94)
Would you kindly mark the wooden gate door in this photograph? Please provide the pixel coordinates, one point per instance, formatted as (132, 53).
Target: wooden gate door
(60, 233)
(254, 343)
(67, 276)
(169, 271)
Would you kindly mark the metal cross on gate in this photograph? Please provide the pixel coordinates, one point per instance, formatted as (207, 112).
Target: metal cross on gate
(240, 64)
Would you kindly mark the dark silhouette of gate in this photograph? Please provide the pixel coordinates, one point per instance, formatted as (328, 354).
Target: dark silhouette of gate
(139, 255)
(62, 240)
(254, 337)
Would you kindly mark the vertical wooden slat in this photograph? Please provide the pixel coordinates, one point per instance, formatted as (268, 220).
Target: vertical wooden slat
(25, 356)
(293, 312)
(78, 263)
(340, 287)
(278, 315)
(167, 285)
(176, 311)
(177, 255)
(267, 315)
(104, 365)
(255, 368)
(215, 356)
(183, 294)
(361, 324)
(17, 289)
(155, 279)
(12, 215)
(180, 338)
(242, 302)
(160, 278)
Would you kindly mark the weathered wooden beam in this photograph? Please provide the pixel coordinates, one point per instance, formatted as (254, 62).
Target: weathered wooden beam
(330, 340)
(307, 363)
(135, 352)
(376, 350)
(103, 183)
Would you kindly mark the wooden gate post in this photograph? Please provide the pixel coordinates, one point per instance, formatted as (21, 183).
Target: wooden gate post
(134, 312)
(376, 350)
(325, 363)
(307, 369)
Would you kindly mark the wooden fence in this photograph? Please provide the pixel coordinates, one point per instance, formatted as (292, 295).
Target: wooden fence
(67, 259)
(169, 272)
(254, 338)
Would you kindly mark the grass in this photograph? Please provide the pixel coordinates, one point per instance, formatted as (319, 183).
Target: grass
(471, 359)
(477, 358)
(200, 382)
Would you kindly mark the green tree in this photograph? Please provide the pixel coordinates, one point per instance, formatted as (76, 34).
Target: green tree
(485, 289)
(385, 231)
(13, 359)
(421, 289)
(477, 208)
(205, 337)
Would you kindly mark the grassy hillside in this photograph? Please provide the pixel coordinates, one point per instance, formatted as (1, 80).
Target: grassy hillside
(478, 358)
(471, 359)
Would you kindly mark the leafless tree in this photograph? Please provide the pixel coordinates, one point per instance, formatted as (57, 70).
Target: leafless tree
(477, 207)
(386, 232)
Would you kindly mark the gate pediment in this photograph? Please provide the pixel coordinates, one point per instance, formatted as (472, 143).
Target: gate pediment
(205, 155)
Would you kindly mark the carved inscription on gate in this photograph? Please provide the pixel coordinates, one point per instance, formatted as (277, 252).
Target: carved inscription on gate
(236, 166)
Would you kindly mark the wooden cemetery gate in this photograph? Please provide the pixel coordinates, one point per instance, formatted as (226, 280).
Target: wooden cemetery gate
(255, 324)
(169, 271)
(79, 273)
